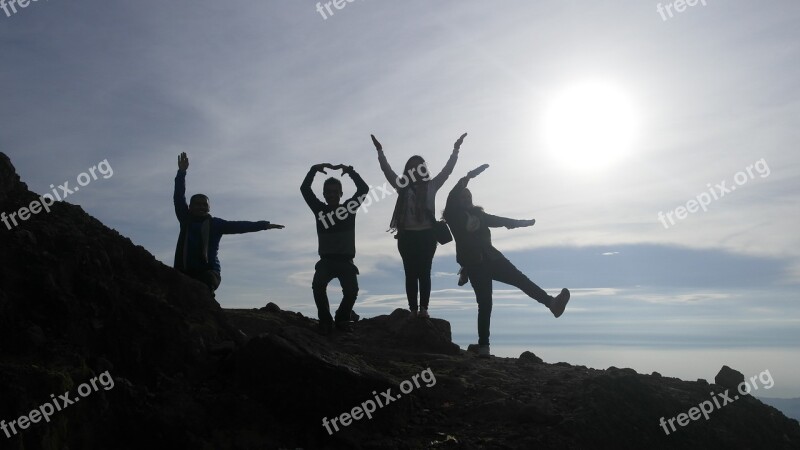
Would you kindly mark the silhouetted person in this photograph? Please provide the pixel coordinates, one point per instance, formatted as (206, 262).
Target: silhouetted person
(336, 225)
(484, 263)
(413, 220)
(198, 242)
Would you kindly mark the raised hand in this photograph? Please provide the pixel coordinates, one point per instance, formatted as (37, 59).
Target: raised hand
(458, 143)
(477, 171)
(322, 166)
(346, 170)
(377, 144)
(183, 161)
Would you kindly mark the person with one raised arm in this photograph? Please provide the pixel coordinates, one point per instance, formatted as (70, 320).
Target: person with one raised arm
(484, 263)
(196, 253)
(336, 224)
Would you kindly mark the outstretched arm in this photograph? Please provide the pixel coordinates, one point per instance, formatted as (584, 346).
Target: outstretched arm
(179, 194)
(390, 175)
(439, 179)
(242, 226)
(496, 221)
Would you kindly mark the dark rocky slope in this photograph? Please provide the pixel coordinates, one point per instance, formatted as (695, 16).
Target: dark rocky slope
(78, 299)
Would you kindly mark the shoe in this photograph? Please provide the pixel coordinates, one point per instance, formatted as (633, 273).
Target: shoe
(559, 303)
(483, 351)
(462, 277)
(423, 314)
(345, 325)
(413, 315)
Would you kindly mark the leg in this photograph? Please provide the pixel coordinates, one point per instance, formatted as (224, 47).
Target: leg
(322, 276)
(481, 280)
(213, 280)
(503, 271)
(427, 248)
(210, 278)
(404, 246)
(348, 278)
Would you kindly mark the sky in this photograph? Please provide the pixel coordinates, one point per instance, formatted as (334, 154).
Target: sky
(609, 123)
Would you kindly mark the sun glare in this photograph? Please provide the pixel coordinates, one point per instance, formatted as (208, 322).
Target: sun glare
(590, 126)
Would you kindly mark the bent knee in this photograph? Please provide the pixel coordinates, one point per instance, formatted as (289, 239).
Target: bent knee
(350, 292)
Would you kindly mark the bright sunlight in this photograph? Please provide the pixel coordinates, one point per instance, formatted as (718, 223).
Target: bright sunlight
(590, 126)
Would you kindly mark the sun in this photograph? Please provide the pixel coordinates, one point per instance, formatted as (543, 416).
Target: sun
(590, 126)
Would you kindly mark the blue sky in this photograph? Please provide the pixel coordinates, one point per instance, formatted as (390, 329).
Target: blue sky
(256, 92)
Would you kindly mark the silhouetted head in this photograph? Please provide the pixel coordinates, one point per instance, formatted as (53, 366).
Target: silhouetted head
(416, 169)
(466, 199)
(199, 205)
(332, 191)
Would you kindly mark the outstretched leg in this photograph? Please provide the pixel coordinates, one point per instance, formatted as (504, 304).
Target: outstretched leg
(505, 272)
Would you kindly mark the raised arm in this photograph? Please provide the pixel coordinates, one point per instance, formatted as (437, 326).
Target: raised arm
(439, 179)
(453, 198)
(308, 195)
(179, 194)
(390, 175)
(361, 186)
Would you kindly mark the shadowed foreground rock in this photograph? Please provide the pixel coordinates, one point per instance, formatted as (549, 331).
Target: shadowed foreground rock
(78, 299)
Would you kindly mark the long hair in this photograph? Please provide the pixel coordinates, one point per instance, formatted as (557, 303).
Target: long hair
(416, 178)
(472, 207)
(416, 170)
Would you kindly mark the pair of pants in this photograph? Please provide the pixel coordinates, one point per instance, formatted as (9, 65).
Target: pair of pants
(210, 278)
(326, 270)
(500, 269)
(417, 248)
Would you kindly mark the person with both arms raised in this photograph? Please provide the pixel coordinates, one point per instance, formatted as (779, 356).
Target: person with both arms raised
(336, 224)
(196, 253)
(413, 219)
(482, 262)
